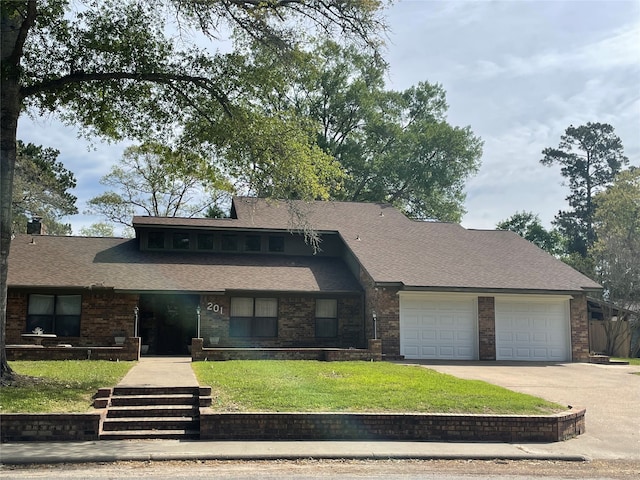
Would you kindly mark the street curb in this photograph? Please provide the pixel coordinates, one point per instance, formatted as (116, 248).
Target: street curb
(146, 457)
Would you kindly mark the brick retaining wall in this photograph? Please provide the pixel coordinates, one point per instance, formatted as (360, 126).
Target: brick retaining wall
(51, 427)
(395, 427)
(20, 427)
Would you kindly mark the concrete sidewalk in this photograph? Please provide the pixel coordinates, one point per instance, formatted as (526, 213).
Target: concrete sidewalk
(147, 450)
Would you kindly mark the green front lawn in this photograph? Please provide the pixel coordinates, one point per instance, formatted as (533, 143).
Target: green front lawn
(309, 386)
(58, 386)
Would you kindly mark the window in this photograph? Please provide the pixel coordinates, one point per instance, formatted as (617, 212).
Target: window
(252, 243)
(229, 243)
(276, 244)
(59, 314)
(155, 240)
(253, 317)
(205, 241)
(181, 241)
(326, 318)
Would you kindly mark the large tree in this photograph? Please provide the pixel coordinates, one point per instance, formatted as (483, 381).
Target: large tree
(590, 156)
(616, 254)
(529, 227)
(112, 67)
(157, 181)
(392, 146)
(41, 189)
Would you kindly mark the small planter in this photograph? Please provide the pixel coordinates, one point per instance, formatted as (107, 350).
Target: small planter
(214, 340)
(119, 340)
(144, 349)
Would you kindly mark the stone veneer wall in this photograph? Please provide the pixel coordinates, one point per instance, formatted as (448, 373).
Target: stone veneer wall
(579, 328)
(487, 328)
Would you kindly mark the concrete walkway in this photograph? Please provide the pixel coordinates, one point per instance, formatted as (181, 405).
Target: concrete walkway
(161, 372)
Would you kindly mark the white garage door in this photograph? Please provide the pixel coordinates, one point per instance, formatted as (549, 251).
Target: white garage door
(532, 330)
(438, 327)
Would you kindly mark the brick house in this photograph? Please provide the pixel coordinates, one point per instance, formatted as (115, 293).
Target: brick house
(427, 290)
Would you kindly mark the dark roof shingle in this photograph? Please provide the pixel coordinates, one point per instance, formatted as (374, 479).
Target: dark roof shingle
(389, 246)
(117, 263)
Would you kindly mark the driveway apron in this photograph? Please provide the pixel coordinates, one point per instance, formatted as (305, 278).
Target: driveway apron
(160, 372)
(610, 393)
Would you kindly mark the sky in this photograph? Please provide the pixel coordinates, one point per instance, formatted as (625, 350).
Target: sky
(517, 72)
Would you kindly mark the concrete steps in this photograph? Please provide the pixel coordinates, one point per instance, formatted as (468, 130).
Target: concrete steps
(154, 413)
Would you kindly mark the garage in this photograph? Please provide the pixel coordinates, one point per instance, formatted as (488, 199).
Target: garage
(438, 327)
(532, 329)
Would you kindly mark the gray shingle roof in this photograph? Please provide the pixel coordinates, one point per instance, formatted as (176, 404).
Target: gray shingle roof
(393, 248)
(388, 245)
(117, 263)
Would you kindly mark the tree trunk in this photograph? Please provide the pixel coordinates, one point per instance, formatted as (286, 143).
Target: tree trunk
(14, 26)
(9, 99)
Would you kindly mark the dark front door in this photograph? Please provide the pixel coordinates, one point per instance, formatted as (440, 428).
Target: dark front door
(168, 322)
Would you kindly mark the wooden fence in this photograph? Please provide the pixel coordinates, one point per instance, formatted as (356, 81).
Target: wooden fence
(620, 333)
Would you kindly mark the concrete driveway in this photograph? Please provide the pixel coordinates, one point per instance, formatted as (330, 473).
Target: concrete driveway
(610, 393)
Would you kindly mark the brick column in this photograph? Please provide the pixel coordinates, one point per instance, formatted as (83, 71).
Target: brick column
(487, 328)
(579, 328)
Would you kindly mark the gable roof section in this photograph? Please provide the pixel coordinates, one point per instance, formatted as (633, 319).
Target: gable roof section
(418, 254)
(78, 262)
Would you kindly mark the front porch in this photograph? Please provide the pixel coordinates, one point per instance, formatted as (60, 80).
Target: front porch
(130, 351)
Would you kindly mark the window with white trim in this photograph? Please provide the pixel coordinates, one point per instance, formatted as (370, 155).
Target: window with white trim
(253, 317)
(326, 318)
(59, 314)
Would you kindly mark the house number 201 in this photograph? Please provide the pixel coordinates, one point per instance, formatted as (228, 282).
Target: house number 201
(214, 307)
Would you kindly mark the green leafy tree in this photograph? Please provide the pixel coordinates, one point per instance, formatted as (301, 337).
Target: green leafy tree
(112, 68)
(590, 156)
(41, 189)
(157, 181)
(270, 155)
(529, 227)
(616, 254)
(100, 229)
(394, 147)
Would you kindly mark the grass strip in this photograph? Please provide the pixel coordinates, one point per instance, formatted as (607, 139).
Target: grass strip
(61, 386)
(310, 386)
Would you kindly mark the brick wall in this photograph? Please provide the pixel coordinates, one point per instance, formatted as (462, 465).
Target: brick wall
(201, 353)
(129, 351)
(386, 303)
(579, 328)
(20, 427)
(51, 427)
(487, 328)
(17, 303)
(399, 427)
(296, 324)
(104, 313)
